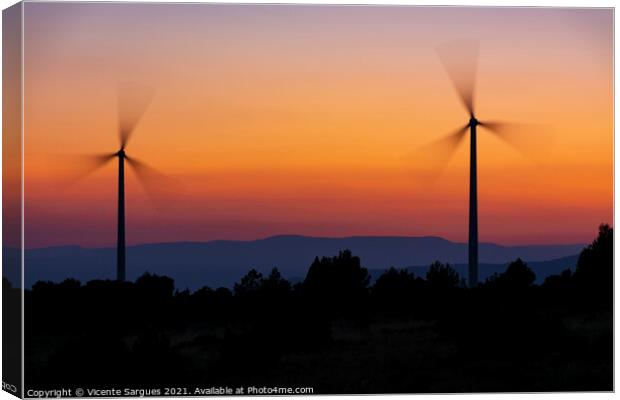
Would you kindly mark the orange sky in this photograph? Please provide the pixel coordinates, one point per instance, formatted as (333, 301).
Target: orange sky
(302, 119)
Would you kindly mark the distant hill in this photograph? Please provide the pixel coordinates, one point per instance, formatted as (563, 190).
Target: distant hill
(223, 262)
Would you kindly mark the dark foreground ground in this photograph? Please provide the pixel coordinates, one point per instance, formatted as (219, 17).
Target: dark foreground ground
(332, 332)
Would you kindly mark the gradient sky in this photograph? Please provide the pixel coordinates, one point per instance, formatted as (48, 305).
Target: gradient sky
(302, 119)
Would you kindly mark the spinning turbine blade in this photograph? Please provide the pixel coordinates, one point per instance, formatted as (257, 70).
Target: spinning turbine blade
(133, 99)
(82, 165)
(447, 144)
(155, 183)
(432, 158)
(460, 60)
(531, 140)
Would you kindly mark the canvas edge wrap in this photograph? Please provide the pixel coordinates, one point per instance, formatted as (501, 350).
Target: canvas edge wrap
(12, 200)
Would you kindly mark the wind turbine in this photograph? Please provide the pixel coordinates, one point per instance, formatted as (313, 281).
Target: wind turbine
(460, 62)
(133, 100)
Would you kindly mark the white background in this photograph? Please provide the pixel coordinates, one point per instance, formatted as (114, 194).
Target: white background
(592, 3)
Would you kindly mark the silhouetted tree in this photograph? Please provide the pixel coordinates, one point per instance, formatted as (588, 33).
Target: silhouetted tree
(223, 293)
(393, 280)
(250, 283)
(274, 285)
(41, 287)
(341, 274)
(595, 265)
(517, 276)
(70, 284)
(204, 292)
(155, 286)
(440, 276)
(339, 281)
(396, 285)
(151, 297)
(562, 281)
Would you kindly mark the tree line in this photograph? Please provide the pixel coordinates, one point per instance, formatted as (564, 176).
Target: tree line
(251, 327)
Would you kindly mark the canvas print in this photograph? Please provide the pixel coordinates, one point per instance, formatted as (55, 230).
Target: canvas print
(249, 199)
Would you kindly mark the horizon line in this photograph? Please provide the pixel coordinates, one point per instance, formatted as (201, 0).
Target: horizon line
(293, 235)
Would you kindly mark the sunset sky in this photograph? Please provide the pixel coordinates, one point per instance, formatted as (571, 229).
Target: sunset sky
(303, 120)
